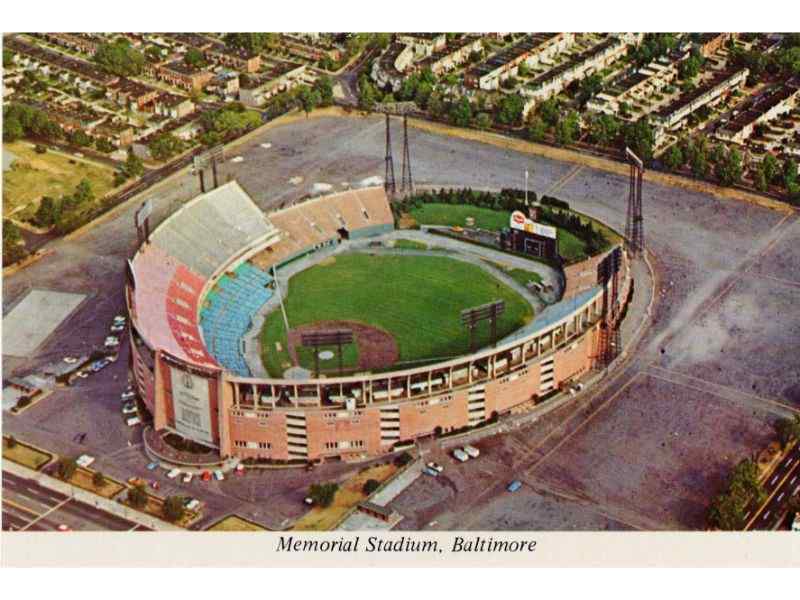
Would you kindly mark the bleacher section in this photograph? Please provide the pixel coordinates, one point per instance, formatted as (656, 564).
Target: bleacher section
(360, 212)
(227, 312)
(211, 229)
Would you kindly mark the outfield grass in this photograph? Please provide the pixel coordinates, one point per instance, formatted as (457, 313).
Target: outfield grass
(521, 276)
(570, 247)
(35, 175)
(418, 299)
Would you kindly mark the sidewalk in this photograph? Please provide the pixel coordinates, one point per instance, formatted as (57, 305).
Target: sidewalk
(110, 506)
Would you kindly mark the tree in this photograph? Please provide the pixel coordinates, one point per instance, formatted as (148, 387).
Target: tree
(137, 496)
(13, 245)
(550, 112)
(509, 109)
(8, 58)
(772, 168)
(165, 146)
(640, 138)
(98, 479)
(673, 157)
(66, 467)
(589, 86)
(12, 129)
(760, 179)
(252, 43)
(307, 98)
(729, 168)
(788, 430)
(79, 138)
(436, 106)
(48, 212)
(194, 58)
(83, 192)
(173, 508)
(324, 87)
(536, 129)
(568, 129)
(604, 129)
(423, 94)
(366, 93)
(789, 173)
(403, 459)
(120, 58)
(789, 60)
(483, 120)
(461, 112)
(103, 145)
(370, 485)
(133, 167)
(690, 67)
(323, 493)
(11, 442)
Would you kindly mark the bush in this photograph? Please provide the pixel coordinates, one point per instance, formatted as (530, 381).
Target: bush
(370, 485)
(323, 493)
(39, 149)
(23, 402)
(66, 468)
(403, 459)
(11, 442)
(137, 496)
(173, 508)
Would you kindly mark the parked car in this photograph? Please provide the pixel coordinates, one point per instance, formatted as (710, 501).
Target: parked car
(309, 500)
(155, 485)
(239, 469)
(129, 410)
(472, 451)
(218, 475)
(63, 527)
(173, 473)
(191, 503)
(435, 466)
(514, 485)
(112, 341)
(98, 365)
(117, 328)
(84, 460)
(460, 455)
(128, 396)
(112, 357)
(187, 478)
(206, 476)
(152, 466)
(133, 421)
(120, 319)
(70, 360)
(431, 472)
(82, 374)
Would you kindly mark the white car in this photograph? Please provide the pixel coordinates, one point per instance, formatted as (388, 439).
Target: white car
(435, 466)
(187, 478)
(133, 421)
(129, 410)
(237, 159)
(192, 504)
(120, 319)
(82, 374)
(218, 475)
(472, 451)
(127, 396)
(173, 473)
(460, 455)
(117, 328)
(112, 341)
(70, 360)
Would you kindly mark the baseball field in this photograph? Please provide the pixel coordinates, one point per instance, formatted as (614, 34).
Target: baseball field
(405, 308)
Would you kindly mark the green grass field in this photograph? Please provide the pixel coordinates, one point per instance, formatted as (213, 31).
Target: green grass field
(570, 247)
(418, 299)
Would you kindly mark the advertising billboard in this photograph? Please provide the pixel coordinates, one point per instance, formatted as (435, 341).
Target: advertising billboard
(523, 223)
(191, 403)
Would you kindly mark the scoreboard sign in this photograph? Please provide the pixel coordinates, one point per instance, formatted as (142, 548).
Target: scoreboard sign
(521, 222)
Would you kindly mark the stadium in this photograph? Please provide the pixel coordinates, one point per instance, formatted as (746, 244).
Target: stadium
(323, 331)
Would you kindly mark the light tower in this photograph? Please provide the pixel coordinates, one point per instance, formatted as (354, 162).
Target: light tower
(634, 224)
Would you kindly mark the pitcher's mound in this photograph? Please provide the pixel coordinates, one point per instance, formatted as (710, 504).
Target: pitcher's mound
(377, 348)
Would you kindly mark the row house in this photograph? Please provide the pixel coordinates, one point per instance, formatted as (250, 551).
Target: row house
(761, 110)
(389, 70)
(452, 55)
(722, 84)
(423, 44)
(314, 51)
(36, 58)
(708, 43)
(87, 43)
(532, 50)
(554, 81)
(255, 90)
(180, 75)
(238, 59)
(173, 105)
(131, 94)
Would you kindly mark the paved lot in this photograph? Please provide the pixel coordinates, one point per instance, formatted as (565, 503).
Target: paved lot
(29, 323)
(729, 283)
(27, 506)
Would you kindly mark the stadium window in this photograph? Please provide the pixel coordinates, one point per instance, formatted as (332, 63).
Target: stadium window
(264, 445)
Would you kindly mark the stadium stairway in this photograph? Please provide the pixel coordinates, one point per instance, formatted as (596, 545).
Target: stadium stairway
(227, 314)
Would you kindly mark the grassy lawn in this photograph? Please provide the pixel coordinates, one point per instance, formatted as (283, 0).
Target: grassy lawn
(236, 523)
(83, 479)
(410, 245)
(521, 276)
(570, 247)
(25, 455)
(35, 175)
(418, 299)
(348, 496)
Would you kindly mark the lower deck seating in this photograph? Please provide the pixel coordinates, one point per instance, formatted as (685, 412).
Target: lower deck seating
(227, 313)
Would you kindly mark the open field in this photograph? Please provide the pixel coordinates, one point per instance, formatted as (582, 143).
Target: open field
(348, 496)
(570, 247)
(236, 523)
(26, 455)
(50, 174)
(417, 299)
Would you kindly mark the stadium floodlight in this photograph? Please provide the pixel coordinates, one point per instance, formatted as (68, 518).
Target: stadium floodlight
(470, 318)
(318, 339)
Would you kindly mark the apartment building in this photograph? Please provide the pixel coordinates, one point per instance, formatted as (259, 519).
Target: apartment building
(279, 76)
(452, 55)
(761, 110)
(423, 44)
